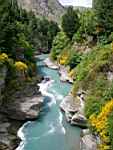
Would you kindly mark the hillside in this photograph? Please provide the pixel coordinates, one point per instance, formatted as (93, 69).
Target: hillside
(50, 8)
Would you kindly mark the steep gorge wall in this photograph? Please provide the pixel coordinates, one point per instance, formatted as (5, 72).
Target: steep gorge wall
(49, 8)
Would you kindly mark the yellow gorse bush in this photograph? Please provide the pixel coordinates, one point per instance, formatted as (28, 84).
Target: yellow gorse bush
(100, 123)
(3, 57)
(63, 59)
(71, 73)
(21, 66)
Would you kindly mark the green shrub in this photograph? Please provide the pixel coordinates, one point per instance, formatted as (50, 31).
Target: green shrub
(74, 60)
(91, 77)
(110, 128)
(59, 43)
(70, 22)
(78, 37)
(94, 61)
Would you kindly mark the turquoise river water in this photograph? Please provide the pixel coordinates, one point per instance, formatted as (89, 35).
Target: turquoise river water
(50, 131)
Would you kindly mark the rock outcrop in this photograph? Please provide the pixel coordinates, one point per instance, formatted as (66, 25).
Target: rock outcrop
(64, 75)
(88, 141)
(16, 106)
(61, 69)
(50, 64)
(8, 133)
(49, 8)
(26, 108)
(74, 111)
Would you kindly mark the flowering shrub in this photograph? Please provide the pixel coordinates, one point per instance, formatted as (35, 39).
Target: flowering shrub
(71, 73)
(21, 66)
(100, 123)
(63, 59)
(3, 57)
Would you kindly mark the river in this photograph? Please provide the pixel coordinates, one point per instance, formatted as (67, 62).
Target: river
(50, 131)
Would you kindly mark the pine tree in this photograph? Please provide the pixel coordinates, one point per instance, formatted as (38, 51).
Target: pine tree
(104, 13)
(70, 22)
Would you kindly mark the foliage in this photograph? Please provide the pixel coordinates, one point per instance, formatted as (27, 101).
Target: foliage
(104, 13)
(95, 60)
(110, 129)
(74, 60)
(91, 75)
(87, 26)
(100, 123)
(21, 66)
(70, 22)
(59, 43)
(87, 22)
(78, 37)
(3, 57)
(23, 30)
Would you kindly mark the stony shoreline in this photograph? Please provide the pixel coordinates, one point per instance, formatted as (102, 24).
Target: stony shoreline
(18, 107)
(61, 69)
(14, 117)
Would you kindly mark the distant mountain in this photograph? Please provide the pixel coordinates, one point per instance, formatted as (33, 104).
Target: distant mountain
(50, 8)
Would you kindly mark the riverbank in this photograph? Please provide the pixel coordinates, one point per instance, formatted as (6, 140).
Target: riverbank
(73, 107)
(23, 105)
(61, 69)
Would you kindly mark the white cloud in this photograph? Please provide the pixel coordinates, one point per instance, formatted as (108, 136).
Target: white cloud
(85, 3)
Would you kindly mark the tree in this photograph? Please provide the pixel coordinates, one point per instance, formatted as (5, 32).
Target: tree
(87, 22)
(53, 29)
(70, 22)
(59, 43)
(22, 30)
(104, 13)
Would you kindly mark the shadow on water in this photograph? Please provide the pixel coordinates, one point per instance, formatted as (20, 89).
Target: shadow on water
(45, 108)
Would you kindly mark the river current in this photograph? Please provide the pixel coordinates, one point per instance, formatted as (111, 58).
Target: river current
(50, 131)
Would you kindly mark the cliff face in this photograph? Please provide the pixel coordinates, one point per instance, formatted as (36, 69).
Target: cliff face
(49, 8)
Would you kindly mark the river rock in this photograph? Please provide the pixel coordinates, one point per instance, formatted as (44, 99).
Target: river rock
(68, 116)
(50, 64)
(8, 133)
(27, 108)
(64, 75)
(73, 108)
(79, 120)
(110, 76)
(88, 142)
(69, 104)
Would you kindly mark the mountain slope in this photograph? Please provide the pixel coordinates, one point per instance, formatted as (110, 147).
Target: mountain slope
(49, 8)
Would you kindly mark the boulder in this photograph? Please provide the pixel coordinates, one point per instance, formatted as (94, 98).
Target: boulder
(68, 116)
(69, 104)
(73, 108)
(79, 120)
(50, 64)
(64, 75)
(8, 133)
(110, 76)
(27, 108)
(88, 142)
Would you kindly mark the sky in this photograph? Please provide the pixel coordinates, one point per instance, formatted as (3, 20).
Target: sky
(85, 3)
